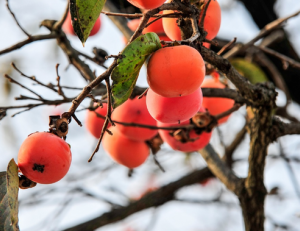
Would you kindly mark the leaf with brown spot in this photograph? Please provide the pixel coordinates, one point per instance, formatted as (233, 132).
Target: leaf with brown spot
(125, 75)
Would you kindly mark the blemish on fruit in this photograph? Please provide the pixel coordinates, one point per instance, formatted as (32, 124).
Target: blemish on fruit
(38, 167)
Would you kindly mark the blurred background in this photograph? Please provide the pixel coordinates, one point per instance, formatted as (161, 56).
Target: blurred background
(89, 189)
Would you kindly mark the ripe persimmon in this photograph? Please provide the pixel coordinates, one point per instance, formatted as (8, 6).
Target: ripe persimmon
(197, 141)
(211, 25)
(216, 105)
(94, 123)
(125, 151)
(44, 158)
(175, 71)
(147, 4)
(68, 28)
(174, 109)
(135, 111)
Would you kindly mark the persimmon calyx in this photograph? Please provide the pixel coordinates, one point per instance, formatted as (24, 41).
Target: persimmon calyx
(58, 126)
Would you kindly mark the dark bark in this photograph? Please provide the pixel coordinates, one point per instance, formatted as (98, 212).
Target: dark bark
(263, 13)
(253, 195)
(153, 199)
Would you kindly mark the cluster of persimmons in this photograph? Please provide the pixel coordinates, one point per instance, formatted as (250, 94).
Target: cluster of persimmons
(175, 76)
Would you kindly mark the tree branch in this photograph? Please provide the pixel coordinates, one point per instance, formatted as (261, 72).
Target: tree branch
(27, 41)
(220, 169)
(154, 199)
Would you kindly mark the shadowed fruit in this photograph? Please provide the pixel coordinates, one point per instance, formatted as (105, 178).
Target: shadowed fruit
(44, 158)
(175, 109)
(94, 123)
(211, 25)
(124, 151)
(147, 4)
(135, 111)
(215, 105)
(200, 140)
(68, 28)
(175, 71)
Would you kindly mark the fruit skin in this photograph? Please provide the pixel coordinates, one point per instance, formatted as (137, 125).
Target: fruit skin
(190, 146)
(207, 45)
(175, 109)
(94, 123)
(47, 151)
(147, 4)
(135, 111)
(211, 25)
(68, 28)
(124, 151)
(170, 26)
(175, 71)
(216, 105)
(212, 21)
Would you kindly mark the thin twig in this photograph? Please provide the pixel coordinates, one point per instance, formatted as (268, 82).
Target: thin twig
(33, 78)
(27, 41)
(163, 16)
(136, 15)
(59, 23)
(143, 94)
(228, 112)
(158, 163)
(282, 57)
(59, 91)
(24, 31)
(265, 31)
(290, 170)
(227, 46)
(21, 85)
(204, 14)
(107, 119)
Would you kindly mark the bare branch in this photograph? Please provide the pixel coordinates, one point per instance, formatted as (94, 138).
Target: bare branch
(59, 23)
(7, 4)
(280, 128)
(220, 169)
(27, 41)
(152, 199)
(265, 31)
(107, 118)
(21, 85)
(283, 58)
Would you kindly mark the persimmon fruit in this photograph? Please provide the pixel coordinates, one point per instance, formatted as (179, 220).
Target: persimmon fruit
(94, 123)
(135, 111)
(211, 25)
(68, 28)
(199, 142)
(175, 71)
(147, 4)
(44, 158)
(216, 105)
(212, 20)
(123, 150)
(175, 109)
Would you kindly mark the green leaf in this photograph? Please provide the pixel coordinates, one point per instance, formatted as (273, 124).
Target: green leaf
(9, 189)
(249, 70)
(84, 14)
(125, 75)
